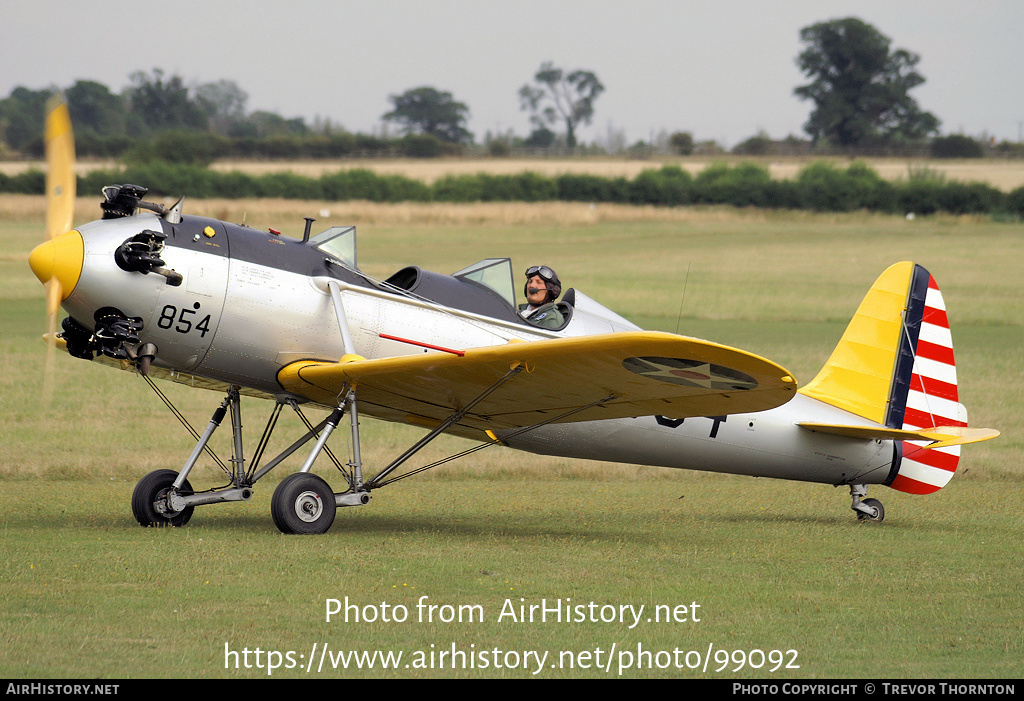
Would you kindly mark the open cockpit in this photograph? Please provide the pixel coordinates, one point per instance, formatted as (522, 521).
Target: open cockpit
(486, 288)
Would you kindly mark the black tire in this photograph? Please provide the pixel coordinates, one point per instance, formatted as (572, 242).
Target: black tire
(303, 504)
(152, 488)
(877, 506)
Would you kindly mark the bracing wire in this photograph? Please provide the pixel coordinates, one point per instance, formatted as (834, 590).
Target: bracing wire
(184, 422)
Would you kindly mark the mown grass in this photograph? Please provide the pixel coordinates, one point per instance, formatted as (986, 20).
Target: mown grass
(931, 592)
(772, 566)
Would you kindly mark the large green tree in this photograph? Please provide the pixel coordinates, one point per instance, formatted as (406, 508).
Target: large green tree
(21, 118)
(224, 104)
(860, 88)
(164, 104)
(426, 110)
(94, 108)
(560, 96)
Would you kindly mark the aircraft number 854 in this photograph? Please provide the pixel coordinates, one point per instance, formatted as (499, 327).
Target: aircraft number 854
(182, 322)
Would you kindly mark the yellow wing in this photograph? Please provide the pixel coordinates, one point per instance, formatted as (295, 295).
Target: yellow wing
(583, 378)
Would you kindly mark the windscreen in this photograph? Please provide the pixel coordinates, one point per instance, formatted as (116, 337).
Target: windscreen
(493, 273)
(338, 242)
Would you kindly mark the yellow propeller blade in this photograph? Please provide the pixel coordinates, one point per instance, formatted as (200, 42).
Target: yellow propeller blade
(54, 293)
(60, 168)
(60, 212)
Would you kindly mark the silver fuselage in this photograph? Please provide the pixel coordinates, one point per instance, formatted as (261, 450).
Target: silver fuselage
(252, 302)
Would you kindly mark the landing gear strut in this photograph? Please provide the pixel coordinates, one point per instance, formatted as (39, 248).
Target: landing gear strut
(866, 509)
(302, 503)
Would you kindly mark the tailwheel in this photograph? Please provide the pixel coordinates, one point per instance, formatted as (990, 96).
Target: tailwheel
(872, 505)
(150, 504)
(866, 509)
(303, 504)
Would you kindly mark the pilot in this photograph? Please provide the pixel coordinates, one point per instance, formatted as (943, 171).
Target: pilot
(542, 289)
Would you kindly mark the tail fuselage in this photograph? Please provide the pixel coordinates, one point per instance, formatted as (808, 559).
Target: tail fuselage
(762, 444)
(892, 369)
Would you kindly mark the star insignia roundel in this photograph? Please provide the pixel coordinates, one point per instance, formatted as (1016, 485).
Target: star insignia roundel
(690, 373)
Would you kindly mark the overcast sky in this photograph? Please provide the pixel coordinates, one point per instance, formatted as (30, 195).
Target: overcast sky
(723, 70)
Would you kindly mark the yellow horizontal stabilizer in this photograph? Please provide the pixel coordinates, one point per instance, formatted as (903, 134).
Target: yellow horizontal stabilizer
(596, 377)
(940, 436)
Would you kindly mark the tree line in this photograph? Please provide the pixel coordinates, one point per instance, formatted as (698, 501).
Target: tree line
(162, 118)
(820, 186)
(858, 84)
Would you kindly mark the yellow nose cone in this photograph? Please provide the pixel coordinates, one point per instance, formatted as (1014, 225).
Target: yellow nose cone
(60, 258)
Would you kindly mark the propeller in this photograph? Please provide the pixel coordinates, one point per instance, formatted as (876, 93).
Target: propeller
(46, 260)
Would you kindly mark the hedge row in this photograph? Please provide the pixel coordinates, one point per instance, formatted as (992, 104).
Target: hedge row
(820, 187)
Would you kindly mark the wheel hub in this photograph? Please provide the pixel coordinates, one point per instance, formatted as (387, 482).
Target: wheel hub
(162, 505)
(308, 506)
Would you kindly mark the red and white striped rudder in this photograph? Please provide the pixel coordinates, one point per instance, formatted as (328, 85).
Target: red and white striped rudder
(927, 394)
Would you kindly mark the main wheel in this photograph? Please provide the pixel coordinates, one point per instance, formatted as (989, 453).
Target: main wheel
(874, 504)
(303, 503)
(149, 504)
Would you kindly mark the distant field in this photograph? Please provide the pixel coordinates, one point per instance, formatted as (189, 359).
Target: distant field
(933, 592)
(1003, 174)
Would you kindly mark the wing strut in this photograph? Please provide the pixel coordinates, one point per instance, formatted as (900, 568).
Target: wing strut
(339, 311)
(302, 502)
(434, 433)
(493, 441)
(356, 482)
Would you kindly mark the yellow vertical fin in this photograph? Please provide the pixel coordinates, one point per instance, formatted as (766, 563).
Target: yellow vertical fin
(858, 375)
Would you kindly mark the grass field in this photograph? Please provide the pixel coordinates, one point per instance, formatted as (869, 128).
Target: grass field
(931, 592)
